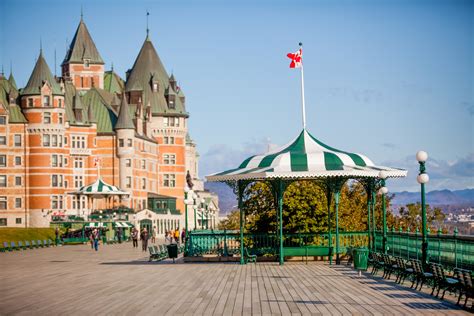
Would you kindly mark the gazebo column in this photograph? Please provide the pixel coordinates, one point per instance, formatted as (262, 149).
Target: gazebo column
(241, 226)
(329, 198)
(374, 227)
(336, 202)
(369, 205)
(280, 191)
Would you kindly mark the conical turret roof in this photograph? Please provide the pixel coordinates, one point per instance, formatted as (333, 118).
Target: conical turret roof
(147, 66)
(124, 120)
(12, 81)
(82, 47)
(41, 73)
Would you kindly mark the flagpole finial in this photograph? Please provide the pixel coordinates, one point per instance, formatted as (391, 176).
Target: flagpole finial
(147, 29)
(301, 44)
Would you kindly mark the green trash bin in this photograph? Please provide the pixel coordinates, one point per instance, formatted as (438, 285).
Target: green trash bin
(172, 251)
(361, 255)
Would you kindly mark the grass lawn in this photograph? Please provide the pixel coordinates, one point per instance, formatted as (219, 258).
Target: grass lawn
(21, 234)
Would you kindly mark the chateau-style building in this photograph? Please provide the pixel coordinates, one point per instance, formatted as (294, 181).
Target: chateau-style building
(55, 130)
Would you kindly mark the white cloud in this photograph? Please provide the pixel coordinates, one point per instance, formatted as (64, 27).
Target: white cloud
(452, 175)
(222, 157)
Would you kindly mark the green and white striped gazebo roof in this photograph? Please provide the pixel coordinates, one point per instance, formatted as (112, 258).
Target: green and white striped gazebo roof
(99, 187)
(305, 157)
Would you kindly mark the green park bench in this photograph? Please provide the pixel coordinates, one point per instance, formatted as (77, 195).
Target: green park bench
(6, 247)
(163, 251)
(307, 251)
(154, 253)
(21, 245)
(249, 258)
(27, 244)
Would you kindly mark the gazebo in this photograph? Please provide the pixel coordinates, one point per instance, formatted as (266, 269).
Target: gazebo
(307, 158)
(98, 190)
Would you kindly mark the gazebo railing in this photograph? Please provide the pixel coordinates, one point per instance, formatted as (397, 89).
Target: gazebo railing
(225, 243)
(449, 250)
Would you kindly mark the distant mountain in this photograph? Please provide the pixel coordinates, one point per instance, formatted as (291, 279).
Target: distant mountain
(446, 199)
(227, 198)
(437, 197)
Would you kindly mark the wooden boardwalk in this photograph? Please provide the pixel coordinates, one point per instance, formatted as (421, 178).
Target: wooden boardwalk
(118, 280)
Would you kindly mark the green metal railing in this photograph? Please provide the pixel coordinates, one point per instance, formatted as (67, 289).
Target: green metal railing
(225, 243)
(452, 251)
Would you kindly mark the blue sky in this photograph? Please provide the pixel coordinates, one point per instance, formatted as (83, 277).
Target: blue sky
(383, 78)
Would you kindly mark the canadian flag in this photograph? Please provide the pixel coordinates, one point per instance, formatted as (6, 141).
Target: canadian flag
(96, 162)
(296, 58)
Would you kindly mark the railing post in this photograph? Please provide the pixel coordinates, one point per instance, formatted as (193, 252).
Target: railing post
(455, 247)
(428, 232)
(393, 240)
(400, 230)
(408, 243)
(439, 245)
(416, 241)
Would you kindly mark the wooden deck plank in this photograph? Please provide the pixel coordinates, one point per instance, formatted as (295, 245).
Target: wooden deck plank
(118, 279)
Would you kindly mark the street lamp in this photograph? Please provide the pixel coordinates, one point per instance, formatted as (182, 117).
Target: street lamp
(383, 190)
(195, 197)
(422, 179)
(195, 216)
(186, 192)
(202, 212)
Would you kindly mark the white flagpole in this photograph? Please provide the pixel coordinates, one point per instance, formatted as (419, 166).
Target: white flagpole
(303, 110)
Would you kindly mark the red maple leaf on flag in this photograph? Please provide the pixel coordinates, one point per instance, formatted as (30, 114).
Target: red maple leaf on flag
(296, 58)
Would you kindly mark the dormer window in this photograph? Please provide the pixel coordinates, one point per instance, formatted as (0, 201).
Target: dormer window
(30, 102)
(171, 102)
(46, 101)
(155, 86)
(86, 63)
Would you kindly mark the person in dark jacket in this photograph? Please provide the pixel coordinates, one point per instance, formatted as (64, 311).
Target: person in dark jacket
(134, 236)
(144, 237)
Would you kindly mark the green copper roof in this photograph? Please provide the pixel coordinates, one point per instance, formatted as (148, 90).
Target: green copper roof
(16, 116)
(102, 114)
(149, 69)
(124, 120)
(113, 83)
(82, 47)
(8, 91)
(72, 100)
(39, 76)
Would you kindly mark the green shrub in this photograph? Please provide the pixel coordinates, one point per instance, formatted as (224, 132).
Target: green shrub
(21, 234)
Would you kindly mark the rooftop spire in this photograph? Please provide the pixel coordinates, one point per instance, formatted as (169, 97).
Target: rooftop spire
(124, 121)
(147, 29)
(82, 13)
(41, 46)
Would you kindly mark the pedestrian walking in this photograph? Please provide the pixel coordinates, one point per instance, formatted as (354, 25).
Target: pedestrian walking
(153, 234)
(96, 239)
(119, 235)
(91, 239)
(176, 235)
(183, 235)
(135, 237)
(144, 237)
(56, 232)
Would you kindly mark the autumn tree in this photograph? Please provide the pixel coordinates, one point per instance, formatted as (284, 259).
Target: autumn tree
(305, 209)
